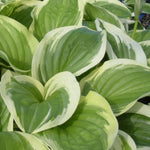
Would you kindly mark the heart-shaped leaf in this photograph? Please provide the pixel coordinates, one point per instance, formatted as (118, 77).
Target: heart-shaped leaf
(136, 122)
(36, 108)
(53, 14)
(6, 121)
(17, 44)
(123, 142)
(120, 45)
(20, 141)
(74, 49)
(120, 81)
(94, 11)
(93, 126)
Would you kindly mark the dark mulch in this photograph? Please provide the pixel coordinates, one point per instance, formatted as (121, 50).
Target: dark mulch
(145, 20)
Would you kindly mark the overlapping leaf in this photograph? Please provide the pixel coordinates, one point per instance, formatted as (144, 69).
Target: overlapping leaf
(17, 44)
(120, 45)
(53, 14)
(6, 121)
(93, 12)
(114, 6)
(146, 47)
(136, 122)
(74, 49)
(93, 126)
(145, 8)
(36, 108)
(123, 142)
(20, 141)
(120, 81)
(141, 35)
(19, 10)
(89, 24)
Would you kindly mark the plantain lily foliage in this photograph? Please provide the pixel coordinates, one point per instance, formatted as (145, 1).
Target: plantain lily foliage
(138, 115)
(20, 10)
(123, 141)
(72, 48)
(17, 45)
(72, 75)
(6, 120)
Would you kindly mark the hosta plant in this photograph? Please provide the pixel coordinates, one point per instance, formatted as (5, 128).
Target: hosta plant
(73, 73)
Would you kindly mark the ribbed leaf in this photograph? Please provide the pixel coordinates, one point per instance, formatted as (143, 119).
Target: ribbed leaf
(17, 44)
(36, 108)
(120, 81)
(114, 6)
(6, 121)
(141, 35)
(74, 49)
(93, 12)
(20, 141)
(146, 47)
(53, 14)
(123, 142)
(136, 122)
(121, 45)
(89, 24)
(92, 127)
(19, 10)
